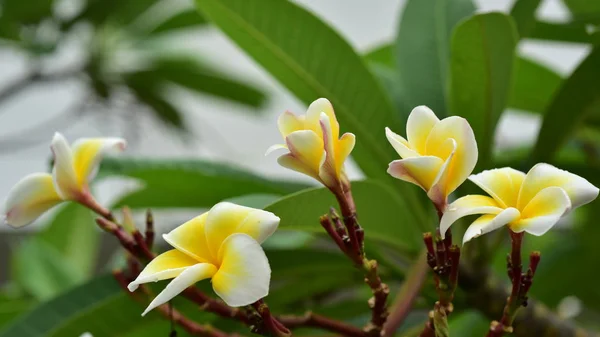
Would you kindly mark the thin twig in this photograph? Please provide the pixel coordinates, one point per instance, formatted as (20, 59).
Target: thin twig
(311, 319)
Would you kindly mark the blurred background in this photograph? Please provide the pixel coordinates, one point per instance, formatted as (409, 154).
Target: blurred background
(158, 74)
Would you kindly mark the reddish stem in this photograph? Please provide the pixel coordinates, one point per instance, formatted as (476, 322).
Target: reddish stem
(313, 320)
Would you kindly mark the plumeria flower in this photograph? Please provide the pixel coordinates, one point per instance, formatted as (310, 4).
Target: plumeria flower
(222, 244)
(438, 155)
(532, 203)
(74, 167)
(314, 144)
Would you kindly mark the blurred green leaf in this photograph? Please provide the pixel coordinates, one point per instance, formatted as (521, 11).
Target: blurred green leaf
(89, 307)
(74, 234)
(149, 89)
(384, 217)
(576, 32)
(567, 262)
(423, 49)
(584, 10)
(481, 67)
(189, 183)
(314, 62)
(117, 12)
(382, 62)
(469, 324)
(577, 100)
(188, 18)
(27, 12)
(99, 307)
(188, 72)
(523, 13)
(534, 86)
(382, 55)
(38, 269)
(10, 308)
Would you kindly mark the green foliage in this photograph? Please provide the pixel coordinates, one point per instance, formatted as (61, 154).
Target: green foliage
(191, 183)
(423, 50)
(577, 99)
(533, 87)
(386, 218)
(444, 56)
(481, 67)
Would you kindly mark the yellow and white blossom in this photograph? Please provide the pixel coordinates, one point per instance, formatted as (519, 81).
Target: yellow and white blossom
(438, 156)
(314, 143)
(73, 168)
(532, 203)
(222, 244)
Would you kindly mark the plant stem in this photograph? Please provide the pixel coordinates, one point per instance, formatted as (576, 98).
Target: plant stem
(272, 325)
(178, 318)
(317, 321)
(354, 250)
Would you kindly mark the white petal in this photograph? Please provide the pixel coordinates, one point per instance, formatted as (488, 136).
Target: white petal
(418, 126)
(489, 222)
(165, 266)
(465, 156)
(421, 171)
(313, 115)
(467, 205)
(30, 198)
(244, 275)
(400, 144)
(439, 191)
(226, 218)
(274, 148)
(543, 175)
(88, 152)
(502, 184)
(63, 172)
(543, 211)
(187, 278)
(190, 239)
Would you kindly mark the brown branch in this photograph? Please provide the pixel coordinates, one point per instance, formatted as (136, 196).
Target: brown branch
(355, 251)
(487, 294)
(172, 314)
(316, 321)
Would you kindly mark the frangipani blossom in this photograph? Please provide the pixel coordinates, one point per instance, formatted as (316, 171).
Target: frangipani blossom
(74, 167)
(438, 156)
(532, 203)
(314, 143)
(222, 244)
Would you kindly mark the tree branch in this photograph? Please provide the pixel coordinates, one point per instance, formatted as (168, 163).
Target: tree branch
(487, 294)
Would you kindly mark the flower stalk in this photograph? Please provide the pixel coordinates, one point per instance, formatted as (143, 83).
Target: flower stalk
(443, 258)
(521, 283)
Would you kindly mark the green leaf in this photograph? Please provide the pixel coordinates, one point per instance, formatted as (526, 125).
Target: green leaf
(423, 49)
(483, 54)
(100, 307)
(383, 215)
(188, 72)
(382, 55)
(148, 88)
(27, 12)
(576, 100)
(576, 32)
(315, 62)
(523, 12)
(74, 234)
(534, 86)
(189, 183)
(37, 268)
(10, 308)
(584, 10)
(188, 18)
